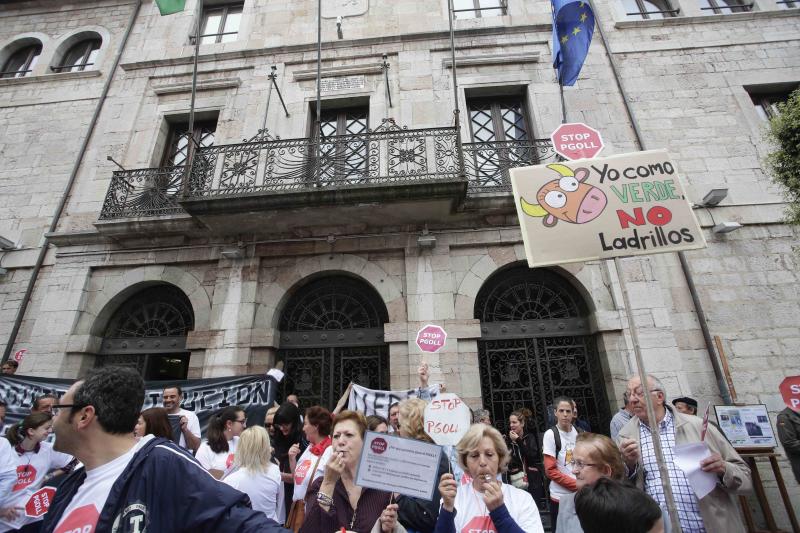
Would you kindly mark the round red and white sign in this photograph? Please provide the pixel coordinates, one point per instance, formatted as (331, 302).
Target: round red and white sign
(379, 445)
(431, 338)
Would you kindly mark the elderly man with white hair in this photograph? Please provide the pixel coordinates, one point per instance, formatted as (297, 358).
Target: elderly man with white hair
(716, 512)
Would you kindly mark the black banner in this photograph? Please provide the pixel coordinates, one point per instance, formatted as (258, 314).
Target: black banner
(254, 393)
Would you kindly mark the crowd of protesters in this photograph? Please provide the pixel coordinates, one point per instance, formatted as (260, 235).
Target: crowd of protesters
(120, 468)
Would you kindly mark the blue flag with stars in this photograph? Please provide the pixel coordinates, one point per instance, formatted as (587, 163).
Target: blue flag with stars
(573, 27)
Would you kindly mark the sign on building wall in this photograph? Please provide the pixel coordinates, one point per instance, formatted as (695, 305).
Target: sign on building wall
(628, 204)
(341, 83)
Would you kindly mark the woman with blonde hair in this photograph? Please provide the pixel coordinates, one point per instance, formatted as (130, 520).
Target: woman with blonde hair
(255, 475)
(594, 457)
(416, 514)
(486, 504)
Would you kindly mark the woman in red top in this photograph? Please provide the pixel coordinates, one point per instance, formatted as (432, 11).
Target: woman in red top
(311, 463)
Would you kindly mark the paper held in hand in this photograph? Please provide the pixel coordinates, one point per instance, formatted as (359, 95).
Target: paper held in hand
(397, 464)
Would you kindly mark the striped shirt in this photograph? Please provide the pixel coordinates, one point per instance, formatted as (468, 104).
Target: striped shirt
(685, 499)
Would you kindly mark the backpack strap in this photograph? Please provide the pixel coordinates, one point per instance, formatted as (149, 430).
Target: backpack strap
(557, 439)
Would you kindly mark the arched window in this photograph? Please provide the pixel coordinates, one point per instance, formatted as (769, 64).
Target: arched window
(331, 333)
(536, 345)
(22, 61)
(148, 332)
(80, 56)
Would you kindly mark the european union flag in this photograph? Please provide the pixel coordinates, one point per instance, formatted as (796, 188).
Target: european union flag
(573, 27)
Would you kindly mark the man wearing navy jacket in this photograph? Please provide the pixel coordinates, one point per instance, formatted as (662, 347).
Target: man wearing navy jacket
(130, 487)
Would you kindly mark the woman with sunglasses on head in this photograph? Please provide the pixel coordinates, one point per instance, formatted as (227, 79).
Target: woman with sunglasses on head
(35, 460)
(217, 452)
(594, 457)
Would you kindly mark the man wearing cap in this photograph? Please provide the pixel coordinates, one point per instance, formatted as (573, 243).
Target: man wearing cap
(685, 405)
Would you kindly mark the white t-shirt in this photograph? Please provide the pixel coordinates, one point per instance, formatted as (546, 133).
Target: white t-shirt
(217, 461)
(31, 468)
(564, 459)
(8, 470)
(88, 501)
(472, 514)
(265, 490)
(192, 422)
(302, 479)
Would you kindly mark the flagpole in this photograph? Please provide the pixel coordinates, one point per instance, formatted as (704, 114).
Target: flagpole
(191, 140)
(318, 127)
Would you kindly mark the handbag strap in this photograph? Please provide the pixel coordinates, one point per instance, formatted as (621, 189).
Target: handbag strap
(315, 467)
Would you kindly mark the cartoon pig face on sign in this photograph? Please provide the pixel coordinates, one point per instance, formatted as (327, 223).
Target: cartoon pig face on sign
(567, 198)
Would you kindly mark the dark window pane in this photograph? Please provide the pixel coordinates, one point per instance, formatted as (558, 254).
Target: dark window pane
(81, 56)
(21, 62)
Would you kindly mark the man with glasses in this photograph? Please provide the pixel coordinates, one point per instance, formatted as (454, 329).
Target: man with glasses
(717, 511)
(130, 487)
(188, 423)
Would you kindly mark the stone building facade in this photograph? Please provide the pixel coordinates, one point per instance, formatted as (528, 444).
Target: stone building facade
(265, 255)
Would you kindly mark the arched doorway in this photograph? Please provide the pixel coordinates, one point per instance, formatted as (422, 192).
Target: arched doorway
(148, 332)
(535, 345)
(331, 333)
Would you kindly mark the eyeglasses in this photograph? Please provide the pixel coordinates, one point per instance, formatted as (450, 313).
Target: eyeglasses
(580, 465)
(639, 393)
(267, 425)
(242, 421)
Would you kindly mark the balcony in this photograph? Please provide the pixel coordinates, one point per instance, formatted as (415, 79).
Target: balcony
(486, 164)
(387, 176)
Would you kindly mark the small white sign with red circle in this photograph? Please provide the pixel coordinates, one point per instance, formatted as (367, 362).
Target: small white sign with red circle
(431, 338)
(576, 141)
(39, 502)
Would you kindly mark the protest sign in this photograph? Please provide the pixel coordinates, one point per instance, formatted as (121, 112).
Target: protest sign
(431, 338)
(255, 393)
(746, 426)
(377, 402)
(628, 204)
(790, 392)
(447, 419)
(396, 464)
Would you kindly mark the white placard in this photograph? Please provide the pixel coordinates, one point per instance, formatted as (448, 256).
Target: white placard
(447, 419)
(746, 426)
(396, 464)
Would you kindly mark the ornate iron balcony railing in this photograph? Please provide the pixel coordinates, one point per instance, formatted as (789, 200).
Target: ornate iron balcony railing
(143, 192)
(487, 163)
(386, 155)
